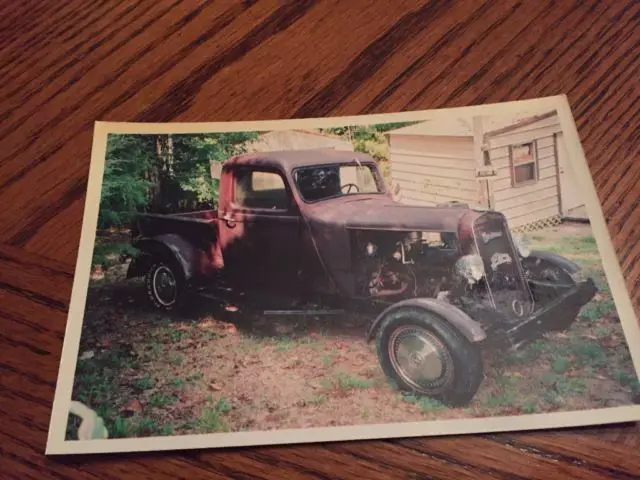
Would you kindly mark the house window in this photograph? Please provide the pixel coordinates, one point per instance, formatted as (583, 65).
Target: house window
(524, 163)
(261, 189)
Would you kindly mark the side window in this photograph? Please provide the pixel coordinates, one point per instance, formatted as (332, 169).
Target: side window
(524, 164)
(261, 189)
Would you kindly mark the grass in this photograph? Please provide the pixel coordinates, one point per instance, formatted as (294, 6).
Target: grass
(175, 359)
(194, 377)
(564, 370)
(149, 427)
(426, 404)
(176, 335)
(159, 399)
(327, 360)
(318, 400)
(560, 364)
(589, 352)
(345, 381)
(176, 382)
(628, 379)
(596, 310)
(530, 406)
(144, 383)
(284, 344)
(211, 419)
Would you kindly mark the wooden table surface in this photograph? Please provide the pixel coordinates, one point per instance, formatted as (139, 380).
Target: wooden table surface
(67, 64)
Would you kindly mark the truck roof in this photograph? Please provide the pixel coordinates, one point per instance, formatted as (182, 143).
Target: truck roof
(288, 160)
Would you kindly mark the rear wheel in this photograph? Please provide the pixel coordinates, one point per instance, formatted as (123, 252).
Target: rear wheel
(164, 282)
(424, 355)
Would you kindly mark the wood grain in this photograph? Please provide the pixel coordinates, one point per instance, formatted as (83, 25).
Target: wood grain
(67, 64)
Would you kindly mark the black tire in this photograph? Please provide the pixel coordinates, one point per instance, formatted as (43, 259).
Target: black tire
(462, 367)
(170, 269)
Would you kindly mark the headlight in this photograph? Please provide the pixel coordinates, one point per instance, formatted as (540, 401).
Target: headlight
(522, 245)
(470, 267)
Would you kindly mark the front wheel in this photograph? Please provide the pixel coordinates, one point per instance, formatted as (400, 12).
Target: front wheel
(424, 355)
(164, 285)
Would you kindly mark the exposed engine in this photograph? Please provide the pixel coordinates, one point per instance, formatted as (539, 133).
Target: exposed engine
(394, 264)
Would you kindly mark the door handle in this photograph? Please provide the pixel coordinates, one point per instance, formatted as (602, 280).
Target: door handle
(230, 221)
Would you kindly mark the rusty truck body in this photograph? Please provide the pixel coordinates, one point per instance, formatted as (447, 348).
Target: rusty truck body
(318, 231)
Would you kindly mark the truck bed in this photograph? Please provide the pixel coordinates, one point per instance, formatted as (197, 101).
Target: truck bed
(200, 227)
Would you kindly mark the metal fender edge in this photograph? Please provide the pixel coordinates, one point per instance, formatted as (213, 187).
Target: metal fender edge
(174, 245)
(471, 329)
(552, 257)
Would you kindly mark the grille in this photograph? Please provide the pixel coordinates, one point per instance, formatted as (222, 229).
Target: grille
(507, 286)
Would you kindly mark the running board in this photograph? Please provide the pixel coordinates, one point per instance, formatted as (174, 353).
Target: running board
(304, 312)
(280, 312)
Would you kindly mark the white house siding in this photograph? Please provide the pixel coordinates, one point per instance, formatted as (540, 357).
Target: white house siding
(527, 203)
(573, 204)
(431, 170)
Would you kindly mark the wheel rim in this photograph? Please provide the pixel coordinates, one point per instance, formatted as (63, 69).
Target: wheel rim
(421, 359)
(164, 286)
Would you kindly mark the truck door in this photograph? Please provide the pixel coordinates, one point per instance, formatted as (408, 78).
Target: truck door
(260, 230)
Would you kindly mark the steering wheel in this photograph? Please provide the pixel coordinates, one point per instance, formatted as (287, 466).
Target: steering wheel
(349, 185)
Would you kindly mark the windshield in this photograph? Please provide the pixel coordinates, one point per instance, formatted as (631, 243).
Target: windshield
(327, 181)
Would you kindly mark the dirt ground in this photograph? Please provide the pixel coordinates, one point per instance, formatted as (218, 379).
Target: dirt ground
(207, 370)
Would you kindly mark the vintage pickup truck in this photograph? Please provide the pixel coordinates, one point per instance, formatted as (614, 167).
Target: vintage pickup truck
(318, 232)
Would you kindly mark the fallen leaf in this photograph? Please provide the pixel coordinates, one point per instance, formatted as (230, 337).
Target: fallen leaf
(215, 387)
(131, 407)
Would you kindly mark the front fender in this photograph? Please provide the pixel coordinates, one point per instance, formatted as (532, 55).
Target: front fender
(471, 329)
(170, 244)
(553, 258)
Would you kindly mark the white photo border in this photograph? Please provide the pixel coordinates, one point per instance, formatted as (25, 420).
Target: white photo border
(56, 443)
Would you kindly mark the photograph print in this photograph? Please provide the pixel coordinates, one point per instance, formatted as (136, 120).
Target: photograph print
(367, 273)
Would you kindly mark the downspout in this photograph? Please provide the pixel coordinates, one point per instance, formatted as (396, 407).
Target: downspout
(482, 163)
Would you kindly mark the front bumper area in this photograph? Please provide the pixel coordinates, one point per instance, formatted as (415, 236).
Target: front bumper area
(558, 315)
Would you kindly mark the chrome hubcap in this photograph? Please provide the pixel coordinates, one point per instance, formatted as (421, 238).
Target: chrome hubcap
(164, 286)
(421, 359)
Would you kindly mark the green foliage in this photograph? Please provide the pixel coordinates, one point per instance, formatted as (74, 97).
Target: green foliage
(369, 139)
(107, 254)
(125, 182)
(162, 173)
(192, 154)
